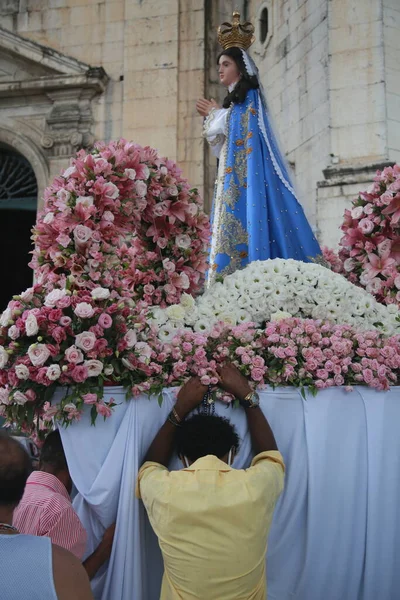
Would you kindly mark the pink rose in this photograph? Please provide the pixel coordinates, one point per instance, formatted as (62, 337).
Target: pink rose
(89, 398)
(105, 321)
(246, 360)
(65, 321)
(63, 239)
(94, 367)
(366, 226)
(322, 374)
(258, 362)
(84, 310)
(367, 376)
(257, 374)
(79, 373)
(74, 355)
(169, 266)
(64, 302)
(59, 334)
(103, 410)
(38, 354)
(85, 340)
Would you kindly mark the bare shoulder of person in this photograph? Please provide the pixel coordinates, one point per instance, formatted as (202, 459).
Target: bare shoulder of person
(70, 578)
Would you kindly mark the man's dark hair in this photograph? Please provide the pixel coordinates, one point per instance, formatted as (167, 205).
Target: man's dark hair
(247, 82)
(52, 454)
(15, 468)
(202, 434)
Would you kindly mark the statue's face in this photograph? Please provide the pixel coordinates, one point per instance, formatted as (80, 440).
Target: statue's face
(228, 71)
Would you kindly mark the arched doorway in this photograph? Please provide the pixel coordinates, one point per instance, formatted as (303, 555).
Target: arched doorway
(18, 202)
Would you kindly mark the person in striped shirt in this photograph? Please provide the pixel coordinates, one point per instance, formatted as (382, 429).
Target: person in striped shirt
(46, 508)
(32, 568)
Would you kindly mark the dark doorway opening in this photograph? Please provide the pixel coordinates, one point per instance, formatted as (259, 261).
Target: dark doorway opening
(18, 200)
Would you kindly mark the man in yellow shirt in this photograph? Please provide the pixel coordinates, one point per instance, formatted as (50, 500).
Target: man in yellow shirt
(212, 521)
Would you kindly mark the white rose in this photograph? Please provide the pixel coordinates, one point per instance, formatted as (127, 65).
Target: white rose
(187, 301)
(130, 173)
(130, 338)
(182, 241)
(144, 351)
(85, 340)
(111, 190)
(86, 201)
(127, 364)
(192, 209)
(279, 315)
(175, 312)
(100, 293)
(94, 367)
(82, 234)
(31, 325)
(53, 297)
(84, 310)
(6, 317)
(145, 172)
(68, 172)
(53, 372)
(109, 369)
(140, 188)
(357, 212)
(108, 216)
(22, 372)
(349, 264)
(4, 396)
(20, 398)
(3, 357)
(38, 354)
(14, 332)
(27, 295)
(48, 218)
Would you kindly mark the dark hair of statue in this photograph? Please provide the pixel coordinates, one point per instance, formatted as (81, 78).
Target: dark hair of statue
(52, 454)
(201, 435)
(15, 468)
(246, 82)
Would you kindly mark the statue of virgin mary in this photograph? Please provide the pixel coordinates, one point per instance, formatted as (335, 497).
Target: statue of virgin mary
(256, 214)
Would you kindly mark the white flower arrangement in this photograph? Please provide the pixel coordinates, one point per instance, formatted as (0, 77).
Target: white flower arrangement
(266, 289)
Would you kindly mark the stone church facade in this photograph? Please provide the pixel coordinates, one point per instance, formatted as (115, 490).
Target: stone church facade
(72, 71)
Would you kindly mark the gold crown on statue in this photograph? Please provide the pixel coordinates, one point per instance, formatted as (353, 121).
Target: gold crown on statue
(236, 33)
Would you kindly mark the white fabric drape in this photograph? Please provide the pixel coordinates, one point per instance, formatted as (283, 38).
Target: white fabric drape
(336, 526)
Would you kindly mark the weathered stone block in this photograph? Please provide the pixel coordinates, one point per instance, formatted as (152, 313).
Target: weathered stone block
(191, 25)
(361, 104)
(155, 29)
(151, 56)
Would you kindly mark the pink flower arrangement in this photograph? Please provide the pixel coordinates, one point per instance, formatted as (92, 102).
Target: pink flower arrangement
(68, 339)
(369, 254)
(297, 352)
(123, 218)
